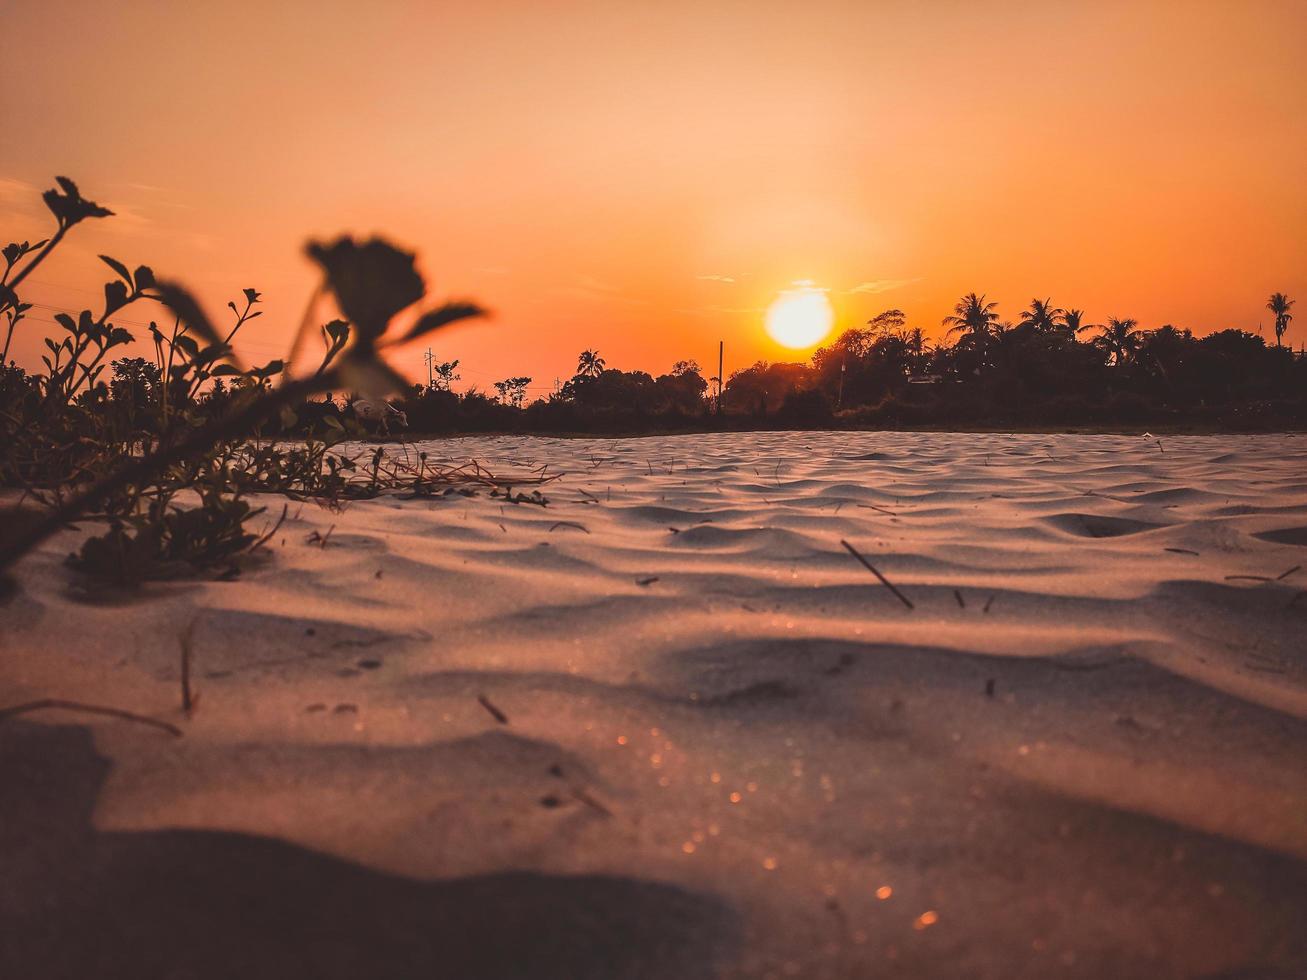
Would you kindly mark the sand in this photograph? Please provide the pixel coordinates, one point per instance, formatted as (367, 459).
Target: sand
(727, 749)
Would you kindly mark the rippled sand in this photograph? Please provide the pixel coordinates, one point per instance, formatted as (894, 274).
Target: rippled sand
(729, 750)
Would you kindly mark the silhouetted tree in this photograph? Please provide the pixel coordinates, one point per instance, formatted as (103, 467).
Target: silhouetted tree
(1119, 339)
(1280, 304)
(1043, 317)
(445, 375)
(590, 364)
(974, 321)
(512, 391)
(1073, 322)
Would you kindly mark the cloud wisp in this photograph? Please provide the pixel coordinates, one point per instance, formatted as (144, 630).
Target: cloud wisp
(874, 286)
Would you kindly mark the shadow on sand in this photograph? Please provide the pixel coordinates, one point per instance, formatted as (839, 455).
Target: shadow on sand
(75, 902)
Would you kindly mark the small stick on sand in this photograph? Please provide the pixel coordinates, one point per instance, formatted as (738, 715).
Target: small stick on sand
(1284, 575)
(872, 568)
(187, 641)
(881, 509)
(495, 713)
(321, 539)
(1248, 578)
(988, 602)
(94, 709)
(648, 580)
(1181, 551)
(962, 604)
(275, 528)
(579, 527)
(591, 802)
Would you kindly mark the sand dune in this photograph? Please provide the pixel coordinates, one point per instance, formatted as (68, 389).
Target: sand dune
(729, 750)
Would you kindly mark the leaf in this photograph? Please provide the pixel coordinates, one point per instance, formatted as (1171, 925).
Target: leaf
(70, 207)
(188, 310)
(251, 296)
(441, 317)
(269, 369)
(67, 322)
(115, 296)
(117, 267)
(372, 281)
(144, 277)
(226, 371)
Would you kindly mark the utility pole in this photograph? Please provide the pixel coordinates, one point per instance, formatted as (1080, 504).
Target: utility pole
(431, 360)
(839, 400)
(721, 354)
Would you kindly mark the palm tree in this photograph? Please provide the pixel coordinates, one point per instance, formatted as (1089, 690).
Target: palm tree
(1073, 322)
(1119, 339)
(1043, 316)
(590, 364)
(1279, 304)
(973, 318)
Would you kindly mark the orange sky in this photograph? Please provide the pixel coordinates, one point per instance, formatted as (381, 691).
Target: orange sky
(644, 177)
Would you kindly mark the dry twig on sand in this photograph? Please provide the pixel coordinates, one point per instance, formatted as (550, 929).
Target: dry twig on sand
(579, 527)
(189, 700)
(872, 568)
(94, 709)
(495, 713)
(591, 802)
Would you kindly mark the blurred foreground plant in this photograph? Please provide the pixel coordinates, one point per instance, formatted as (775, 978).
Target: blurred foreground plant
(63, 447)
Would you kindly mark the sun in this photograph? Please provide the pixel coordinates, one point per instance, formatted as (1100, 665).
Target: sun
(800, 317)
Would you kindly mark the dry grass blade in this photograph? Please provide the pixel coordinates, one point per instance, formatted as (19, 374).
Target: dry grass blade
(591, 802)
(495, 713)
(93, 709)
(881, 509)
(273, 530)
(579, 527)
(872, 568)
(189, 700)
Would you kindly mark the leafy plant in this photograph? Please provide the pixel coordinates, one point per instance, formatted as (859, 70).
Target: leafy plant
(192, 420)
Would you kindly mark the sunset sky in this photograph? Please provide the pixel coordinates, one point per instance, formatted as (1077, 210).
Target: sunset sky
(644, 178)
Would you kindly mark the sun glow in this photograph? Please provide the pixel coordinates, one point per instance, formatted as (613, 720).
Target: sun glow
(800, 317)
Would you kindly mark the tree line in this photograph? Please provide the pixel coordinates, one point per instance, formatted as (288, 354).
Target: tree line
(1049, 366)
